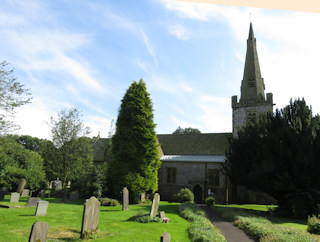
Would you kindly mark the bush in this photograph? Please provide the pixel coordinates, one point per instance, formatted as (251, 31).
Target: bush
(108, 202)
(210, 201)
(184, 195)
(144, 217)
(314, 224)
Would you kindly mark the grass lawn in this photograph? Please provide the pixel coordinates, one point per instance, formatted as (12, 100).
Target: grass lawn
(65, 222)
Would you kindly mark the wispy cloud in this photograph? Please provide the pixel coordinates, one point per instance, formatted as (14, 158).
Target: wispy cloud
(179, 31)
(149, 47)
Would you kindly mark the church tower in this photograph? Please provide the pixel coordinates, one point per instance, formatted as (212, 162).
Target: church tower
(252, 100)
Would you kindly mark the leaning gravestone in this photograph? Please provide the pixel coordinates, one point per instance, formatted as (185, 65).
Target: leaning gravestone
(155, 205)
(162, 215)
(25, 193)
(39, 232)
(90, 218)
(14, 197)
(74, 196)
(42, 207)
(33, 201)
(165, 237)
(21, 185)
(125, 199)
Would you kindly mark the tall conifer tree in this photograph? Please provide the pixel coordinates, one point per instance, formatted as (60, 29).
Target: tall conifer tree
(135, 155)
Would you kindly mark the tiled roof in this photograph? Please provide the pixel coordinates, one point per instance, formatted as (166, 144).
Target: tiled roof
(193, 158)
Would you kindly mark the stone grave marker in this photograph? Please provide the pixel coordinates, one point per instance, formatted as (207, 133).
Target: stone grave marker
(162, 215)
(56, 185)
(25, 193)
(2, 194)
(42, 193)
(90, 218)
(21, 185)
(155, 205)
(33, 201)
(39, 231)
(74, 196)
(15, 196)
(125, 199)
(42, 207)
(143, 197)
(165, 237)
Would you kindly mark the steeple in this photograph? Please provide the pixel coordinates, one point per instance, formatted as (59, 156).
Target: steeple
(252, 85)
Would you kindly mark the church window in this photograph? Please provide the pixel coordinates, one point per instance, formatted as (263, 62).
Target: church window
(214, 177)
(171, 175)
(252, 82)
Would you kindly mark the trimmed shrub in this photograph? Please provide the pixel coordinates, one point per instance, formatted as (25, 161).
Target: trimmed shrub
(210, 201)
(144, 217)
(108, 202)
(314, 224)
(184, 195)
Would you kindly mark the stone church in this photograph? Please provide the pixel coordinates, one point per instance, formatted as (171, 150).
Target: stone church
(194, 160)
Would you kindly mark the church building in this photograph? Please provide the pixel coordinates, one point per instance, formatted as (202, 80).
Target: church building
(194, 160)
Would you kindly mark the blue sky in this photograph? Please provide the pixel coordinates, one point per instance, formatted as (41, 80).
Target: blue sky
(85, 54)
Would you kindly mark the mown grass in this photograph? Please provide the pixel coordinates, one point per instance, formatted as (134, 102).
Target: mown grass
(65, 222)
(257, 222)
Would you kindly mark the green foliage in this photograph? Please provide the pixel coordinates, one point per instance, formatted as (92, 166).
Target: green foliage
(314, 224)
(201, 228)
(108, 202)
(144, 217)
(210, 201)
(184, 195)
(189, 130)
(135, 156)
(12, 95)
(278, 154)
(16, 162)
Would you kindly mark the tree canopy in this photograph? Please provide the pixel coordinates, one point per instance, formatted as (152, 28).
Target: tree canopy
(135, 155)
(279, 155)
(189, 130)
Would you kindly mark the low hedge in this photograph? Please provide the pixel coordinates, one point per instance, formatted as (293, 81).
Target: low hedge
(314, 224)
(201, 229)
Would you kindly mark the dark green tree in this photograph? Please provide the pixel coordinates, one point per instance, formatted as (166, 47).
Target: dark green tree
(189, 130)
(135, 155)
(279, 155)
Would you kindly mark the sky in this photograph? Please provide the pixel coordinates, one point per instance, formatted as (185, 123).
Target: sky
(86, 54)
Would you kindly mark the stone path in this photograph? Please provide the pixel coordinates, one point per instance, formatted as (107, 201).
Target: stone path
(232, 233)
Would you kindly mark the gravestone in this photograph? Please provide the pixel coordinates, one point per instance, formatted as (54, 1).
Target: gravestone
(143, 197)
(15, 196)
(125, 199)
(33, 201)
(56, 185)
(165, 237)
(42, 207)
(25, 193)
(2, 194)
(39, 231)
(42, 193)
(162, 215)
(74, 196)
(4, 189)
(90, 218)
(21, 185)
(155, 205)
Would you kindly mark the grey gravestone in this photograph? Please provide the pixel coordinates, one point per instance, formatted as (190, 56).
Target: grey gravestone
(143, 197)
(39, 232)
(14, 197)
(90, 218)
(42, 207)
(162, 215)
(33, 201)
(165, 237)
(42, 193)
(25, 193)
(56, 185)
(74, 196)
(155, 205)
(125, 199)
(21, 185)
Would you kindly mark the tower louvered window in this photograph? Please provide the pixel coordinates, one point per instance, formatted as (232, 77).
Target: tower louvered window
(252, 82)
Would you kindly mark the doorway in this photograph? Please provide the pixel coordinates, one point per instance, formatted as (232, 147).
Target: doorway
(197, 191)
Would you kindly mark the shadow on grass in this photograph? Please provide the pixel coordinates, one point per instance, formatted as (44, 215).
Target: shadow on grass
(26, 215)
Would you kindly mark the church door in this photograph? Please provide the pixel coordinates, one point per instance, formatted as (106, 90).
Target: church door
(197, 191)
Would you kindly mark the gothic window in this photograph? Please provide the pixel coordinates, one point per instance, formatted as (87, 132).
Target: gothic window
(213, 177)
(252, 82)
(171, 174)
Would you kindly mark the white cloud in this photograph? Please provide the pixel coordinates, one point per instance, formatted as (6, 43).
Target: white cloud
(179, 31)
(98, 125)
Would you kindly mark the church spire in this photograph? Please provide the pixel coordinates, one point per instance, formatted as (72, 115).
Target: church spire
(252, 86)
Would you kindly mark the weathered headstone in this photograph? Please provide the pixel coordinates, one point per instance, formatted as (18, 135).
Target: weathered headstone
(21, 185)
(162, 215)
(125, 199)
(56, 185)
(143, 197)
(39, 231)
(42, 193)
(42, 207)
(33, 201)
(74, 196)
(90, 218)
(155, 205)
(25, 193)
(165, 237)
(15, 196)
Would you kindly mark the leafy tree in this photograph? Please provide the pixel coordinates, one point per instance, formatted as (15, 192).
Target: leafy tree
(189, 130)
(135, 156)
(279, 155)
(12, 95)
(74, 152)
(17, 162)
